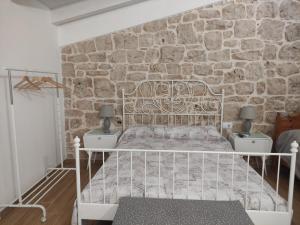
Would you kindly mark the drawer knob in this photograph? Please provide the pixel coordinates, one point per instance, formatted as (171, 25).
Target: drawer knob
(253, 142)
(99, 138)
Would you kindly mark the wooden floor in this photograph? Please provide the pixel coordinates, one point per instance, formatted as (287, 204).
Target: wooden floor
(59, 201)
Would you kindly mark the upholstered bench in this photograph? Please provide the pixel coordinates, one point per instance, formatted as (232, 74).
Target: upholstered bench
(148, 211)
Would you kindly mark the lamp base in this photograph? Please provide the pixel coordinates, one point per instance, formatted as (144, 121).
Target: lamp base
(106, 125)
(247, 126)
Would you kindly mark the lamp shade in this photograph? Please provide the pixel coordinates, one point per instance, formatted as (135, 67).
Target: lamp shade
(248, 113)
(107, 111)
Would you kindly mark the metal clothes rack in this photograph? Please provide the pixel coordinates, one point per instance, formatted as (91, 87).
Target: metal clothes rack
(31, 197)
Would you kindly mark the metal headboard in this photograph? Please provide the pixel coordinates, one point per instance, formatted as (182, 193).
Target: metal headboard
(173, 102)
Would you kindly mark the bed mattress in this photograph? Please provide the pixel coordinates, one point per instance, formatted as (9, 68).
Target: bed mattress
(180, 138)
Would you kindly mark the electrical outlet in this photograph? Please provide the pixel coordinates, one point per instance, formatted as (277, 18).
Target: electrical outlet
(227, 125)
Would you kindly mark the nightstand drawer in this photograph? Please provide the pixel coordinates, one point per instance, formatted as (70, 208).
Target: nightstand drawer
(100, 141)
(252, 145)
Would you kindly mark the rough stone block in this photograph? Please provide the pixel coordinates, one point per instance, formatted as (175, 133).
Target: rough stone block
(290, 52)
(75, 123)
(86, 46)
(118, 56)
(234, 11)
(84, 105)
(247, 55)
(191, 16)
(87, 66)
(186, 34)
(155, 26)
(158, 68)
(170, 54)
(152, 55)
(203, 69)
(128, 87)
(97, 57)
(199, 25)
(213, 40)
(271, 30)
(73, 113)
(290, 9)
(231, 112)
(244, 28)
(104, 43)
(287, 69)
(165, 37)
(135, 76)
(270, 52)
(251, 44)
(292, 32)
(231, 43)
(68, 70)
(92, 119)
(174, 19)
(267, 9)
(134, 56)
(138, 67)
(125, 41)
(196, 56)
(95, 73)
(217, 56)
(244, 88)
(173, 68)
(83, 87)
(104, 88)
(118, 72)
(260, 87)
(78, 58)
(145, 40)
(187, 69)
(218, 24)
(294, 85)
(292, 105)
(234, 76)
(275, 104)
(276, 86)
(254, 71)
(209, 13)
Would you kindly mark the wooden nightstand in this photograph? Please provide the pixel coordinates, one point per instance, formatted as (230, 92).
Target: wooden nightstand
(256, 142)
(98, 139)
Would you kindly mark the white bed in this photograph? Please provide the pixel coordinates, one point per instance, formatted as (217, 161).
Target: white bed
(182, 162)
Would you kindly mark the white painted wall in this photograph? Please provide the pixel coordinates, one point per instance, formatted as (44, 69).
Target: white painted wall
(120, 18)
(27, 40)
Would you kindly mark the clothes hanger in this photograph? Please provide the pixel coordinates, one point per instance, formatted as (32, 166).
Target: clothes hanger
(26, 83)
(51, 83)
(21, 82)
(46, 82)
(37, 81)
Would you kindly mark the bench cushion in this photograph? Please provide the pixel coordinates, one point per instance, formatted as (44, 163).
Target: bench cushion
(149, 211)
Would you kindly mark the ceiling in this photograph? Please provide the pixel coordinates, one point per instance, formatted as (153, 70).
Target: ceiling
(54, 4)
(67, 11)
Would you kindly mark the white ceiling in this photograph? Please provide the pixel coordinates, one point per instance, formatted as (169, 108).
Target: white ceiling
(66, 11)
(54, 4)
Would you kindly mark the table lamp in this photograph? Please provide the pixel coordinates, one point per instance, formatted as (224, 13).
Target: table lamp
(248, 113)
(106, 112)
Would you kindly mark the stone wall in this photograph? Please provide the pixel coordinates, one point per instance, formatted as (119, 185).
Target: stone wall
(250, 48)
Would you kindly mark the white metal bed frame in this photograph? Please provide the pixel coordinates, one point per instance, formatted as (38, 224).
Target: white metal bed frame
(106, 211)
(173, 102)
(33, 195)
